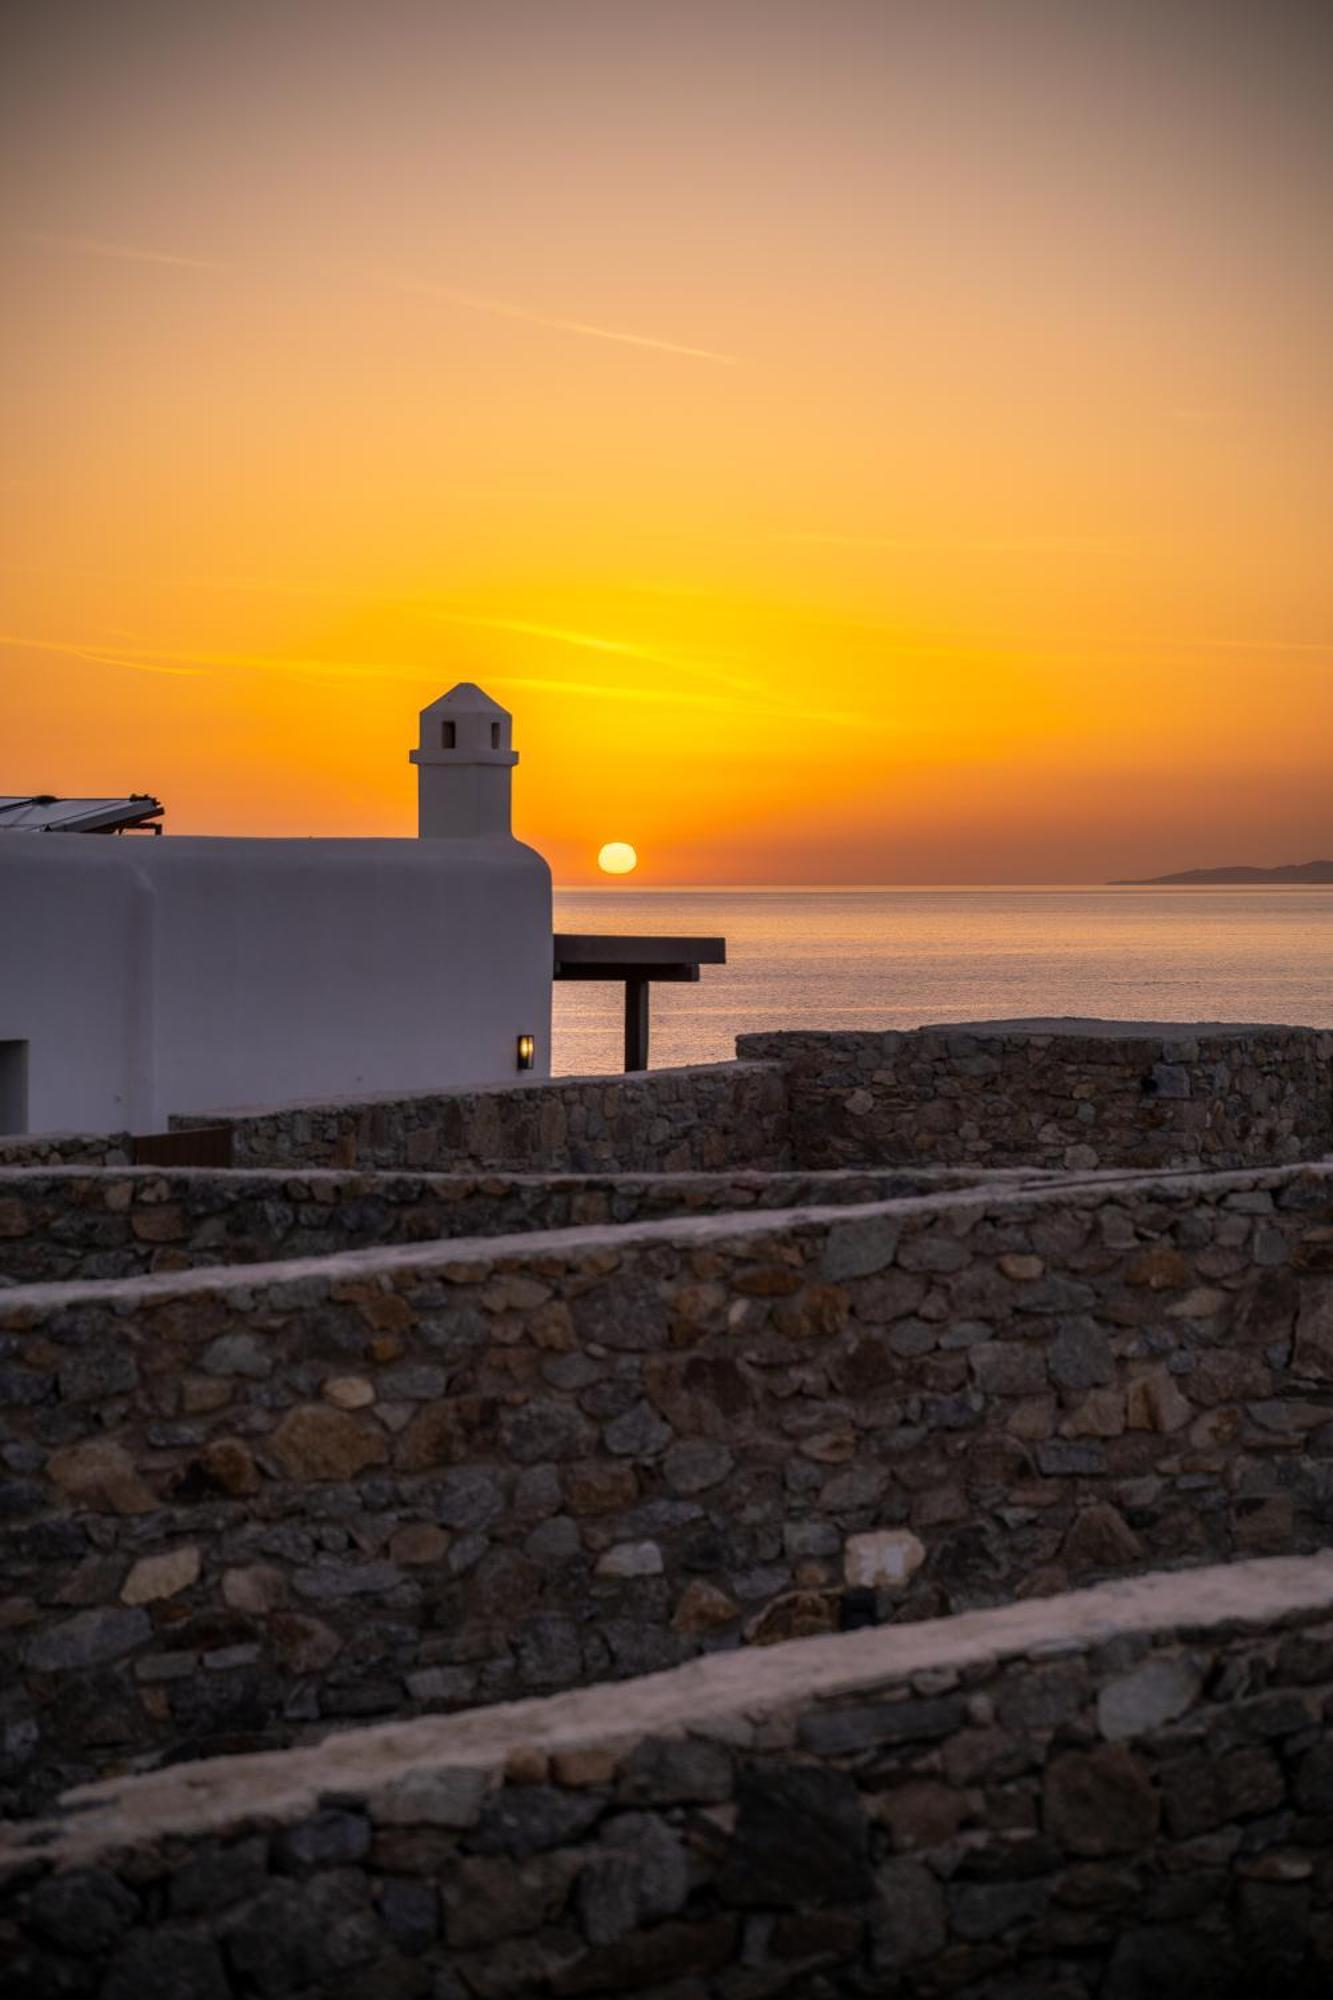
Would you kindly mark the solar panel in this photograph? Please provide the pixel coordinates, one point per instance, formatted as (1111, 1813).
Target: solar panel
(41, 812)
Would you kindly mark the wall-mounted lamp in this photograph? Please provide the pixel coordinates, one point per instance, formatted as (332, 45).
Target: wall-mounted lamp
(527, 1051)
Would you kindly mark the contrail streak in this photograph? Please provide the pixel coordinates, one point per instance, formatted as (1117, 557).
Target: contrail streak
(470, 302)
(125, 253)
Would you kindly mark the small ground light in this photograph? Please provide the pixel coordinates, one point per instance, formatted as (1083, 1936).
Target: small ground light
(527, 1051)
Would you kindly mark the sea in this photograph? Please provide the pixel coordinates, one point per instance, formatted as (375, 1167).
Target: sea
(895, 958)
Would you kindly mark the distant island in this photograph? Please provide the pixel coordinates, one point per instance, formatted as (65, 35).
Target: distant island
(1295, 872)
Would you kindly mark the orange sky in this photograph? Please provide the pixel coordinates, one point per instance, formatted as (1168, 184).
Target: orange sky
(861, 442)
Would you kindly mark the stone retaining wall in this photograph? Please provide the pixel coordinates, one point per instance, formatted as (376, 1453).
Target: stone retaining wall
(1060, 1094)
(663, 1121)
(1125, 1793)
(246, 1504)
(67, 1223)
(56, 1149)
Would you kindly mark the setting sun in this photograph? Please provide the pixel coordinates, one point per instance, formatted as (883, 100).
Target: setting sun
(617, 858)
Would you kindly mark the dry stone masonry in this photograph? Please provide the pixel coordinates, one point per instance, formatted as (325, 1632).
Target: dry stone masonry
(336, 1488)
(1068, 1094)
(1122, 1793)
(247, 1503)
(663, 1121)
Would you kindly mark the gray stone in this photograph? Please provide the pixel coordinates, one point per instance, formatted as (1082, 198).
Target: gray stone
(332, 1839)
(84, 1911)
(97, 1374)
(1156, 1692)
(659, 1860)
(520, 1820)
(859, 1249)
(1080, 1355)
(330, 1582)
(838, 1731)
(640, 1433)
(468, 1499)
(982, 1910)
(910, 1921)
(410, 1913)
(215, 1876)
(302, 1934)
(556, 1541)
(237, 1354)
(454, 1797)
(694, 1465)
(801, 1837)
(608, 1897)
(1070, 1458)
(166, 1963)
(676, 1770)
(543, 1431)
(416, 1382)
(88, 1640)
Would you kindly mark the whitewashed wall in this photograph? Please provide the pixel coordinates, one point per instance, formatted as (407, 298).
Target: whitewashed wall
(152, 976)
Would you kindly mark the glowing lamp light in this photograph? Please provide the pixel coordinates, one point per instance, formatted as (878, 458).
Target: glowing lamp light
(527, 1051)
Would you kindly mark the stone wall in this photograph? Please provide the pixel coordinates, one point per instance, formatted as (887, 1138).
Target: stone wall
(55, 1149)
(67, 1223)
(663, 1121)
(1125, 1793)
(1059, 1094)
(250, 1503)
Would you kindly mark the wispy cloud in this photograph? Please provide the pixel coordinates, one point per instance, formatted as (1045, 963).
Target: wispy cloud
(111, 656)
(1033, 545)
(677, 697)
(124, 253)
(503, 309)
(592, 642)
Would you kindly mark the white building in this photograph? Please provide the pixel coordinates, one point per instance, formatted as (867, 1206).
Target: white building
(141, 977)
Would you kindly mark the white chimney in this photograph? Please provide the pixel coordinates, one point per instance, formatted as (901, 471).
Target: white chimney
(464, 761)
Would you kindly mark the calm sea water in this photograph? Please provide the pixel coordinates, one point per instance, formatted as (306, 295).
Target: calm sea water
(893, 958)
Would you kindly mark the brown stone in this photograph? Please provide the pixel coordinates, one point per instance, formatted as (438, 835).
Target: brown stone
(316, 1442)
(703, 1608)
(303, 1645)
(1154, 1403)
(1100, 1414)
(797, 1614)
(1100, 1802)
(102, 1476)
(1225, 1375)
(594, 1487)
(229, 1464)
(383, 1311)
(1264, 1526)
(581, 1769)
(526, 1764)
(348, 1392)
(767, 1281)
(552, 1327)
(1101, 1538)
(1313, 1356)
(156, 1577)
(1022, 1267)
(419, 1542)
(442, 1433)
(164, 1224)
(1160, 1269)
(819, 1313)
(667, 1951)
(202, 1393)
(257, 1589)
(921, 1813)
(14, 1220)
